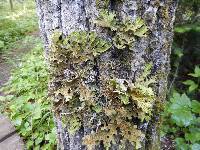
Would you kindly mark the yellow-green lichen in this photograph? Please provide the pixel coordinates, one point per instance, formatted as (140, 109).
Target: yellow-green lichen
(102, 3)
(126, 31)
(81, 46)
(125, 99)
(108, 132)
(106, 20)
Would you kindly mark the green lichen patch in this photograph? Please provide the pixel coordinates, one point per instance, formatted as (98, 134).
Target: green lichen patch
(66, 60)
(75, 49)
(81, 46)
(125, 100)
(72, 63)
(108, 132)
(106, 20)
(126, 31)
(102, 4)
(139, 94)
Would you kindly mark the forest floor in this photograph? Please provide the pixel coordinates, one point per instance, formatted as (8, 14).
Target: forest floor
(10, 59)
(9, 139)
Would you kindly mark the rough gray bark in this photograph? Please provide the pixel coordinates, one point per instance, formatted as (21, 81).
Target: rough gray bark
(72, 15)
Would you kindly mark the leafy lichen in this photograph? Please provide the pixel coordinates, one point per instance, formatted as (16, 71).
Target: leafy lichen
(126, 31)
(102, 4)
(107, 134)
(125, 99)
(81, 46)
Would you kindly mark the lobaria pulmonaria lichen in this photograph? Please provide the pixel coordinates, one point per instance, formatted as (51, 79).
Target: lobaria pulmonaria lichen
(126, 100)
(126, 31)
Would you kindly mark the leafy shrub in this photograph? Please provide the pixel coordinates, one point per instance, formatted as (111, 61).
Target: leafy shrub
(193, 84)
(27, 104)
(181, 116)
(1, 44)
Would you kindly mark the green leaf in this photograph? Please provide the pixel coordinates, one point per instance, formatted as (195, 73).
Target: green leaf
(37, 147)
(2, 44)
(180, 142)
(179, 101)
(178, 52)
(192, 85)
(51, 137)
(9, 97)
(182, 29)
(26, 125)
(29, 144)
(180, 110)
(195, 106)
(182, 118)
(39, 140)
(2, 98)
(46, 147)
(17, 121)
(196, 72)
(195, 146)
(28, 107)
(193, 136)
(37, 112)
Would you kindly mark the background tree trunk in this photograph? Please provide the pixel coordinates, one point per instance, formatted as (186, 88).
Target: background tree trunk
(78, 15)
(11, 5)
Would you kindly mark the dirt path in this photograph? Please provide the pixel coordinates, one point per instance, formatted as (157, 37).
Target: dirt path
(9, 139)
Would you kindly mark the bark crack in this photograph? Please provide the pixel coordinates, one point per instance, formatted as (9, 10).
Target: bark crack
(60, 13)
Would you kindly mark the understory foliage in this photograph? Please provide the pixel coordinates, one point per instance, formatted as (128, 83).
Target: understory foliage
(181, 118)
(127, 100)
(27, 104)
(15, 24)
(25, 101)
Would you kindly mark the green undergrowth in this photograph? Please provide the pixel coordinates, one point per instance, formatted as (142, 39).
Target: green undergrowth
(26, 102)
(21, 46)
(181, 117)
(186, 28)
(181, 122)
(17, 23)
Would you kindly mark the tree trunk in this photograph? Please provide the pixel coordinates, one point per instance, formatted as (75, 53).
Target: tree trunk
(11, 5)
(107, 96)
